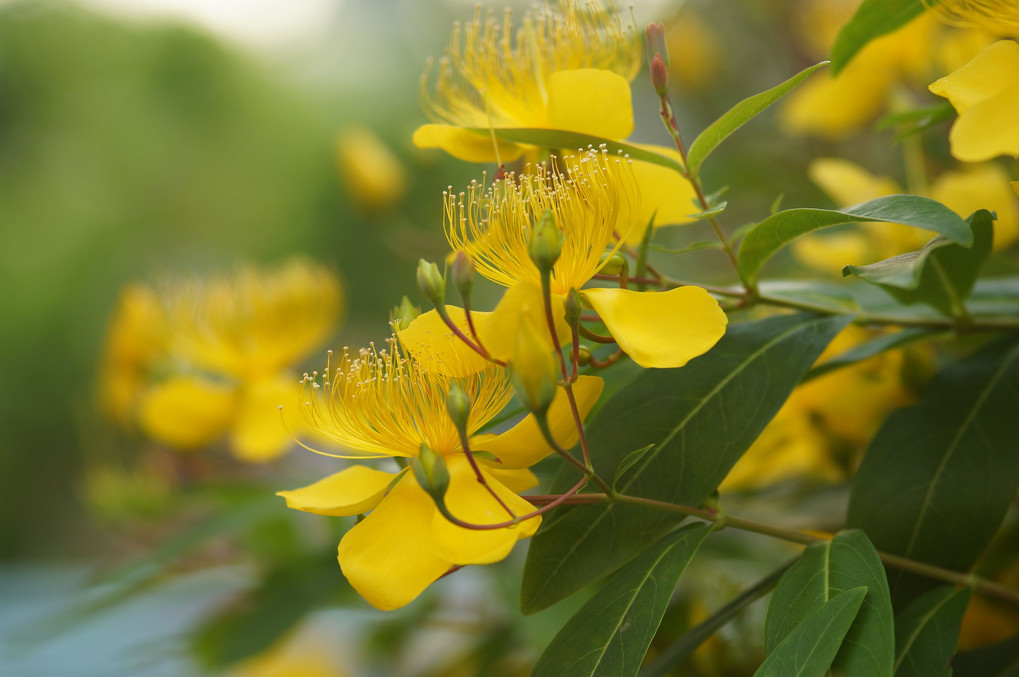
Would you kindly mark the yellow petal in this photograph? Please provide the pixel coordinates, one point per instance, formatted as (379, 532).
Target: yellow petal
(590, 101)
(389, 557)
(663, 192)
(352, 491)
(984, 186)
(259, 434)
(469, 501)
(523, 445)
(435, 346)
(984, 77)
(989, 128)
(660, 329)
(517, 480)
(831, 107)
(465, 145)
(832, 252)
(847, 183)
(498, 329)
(187, 412)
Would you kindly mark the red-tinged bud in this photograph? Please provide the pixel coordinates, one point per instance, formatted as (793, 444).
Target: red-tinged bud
(656, 41)
(660, 75)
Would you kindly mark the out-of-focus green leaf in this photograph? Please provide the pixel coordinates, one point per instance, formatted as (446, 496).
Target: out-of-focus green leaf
(997, 660)
(869, 349)
(612, 632)
(560, 138)
(873, 18)
(701, 419)
(941, 274)
(737, 116)
(809, 649)
(826, 569)
(915, 121)
(927, 633)
(780, 229)
(939, 476)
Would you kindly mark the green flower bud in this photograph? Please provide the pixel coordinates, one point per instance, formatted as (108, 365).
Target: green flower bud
(533, 368)
(612, 264)
(584, 356)
(431, 282)
(573, 308)
(431, 473)
(463, 275)
(546, 242)
(402, 315)
(458, 404)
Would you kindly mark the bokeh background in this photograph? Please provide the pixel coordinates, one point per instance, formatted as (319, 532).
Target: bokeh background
(143, 138)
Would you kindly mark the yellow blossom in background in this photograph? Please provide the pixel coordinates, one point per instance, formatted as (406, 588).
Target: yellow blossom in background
(997, 17)
(381, 404)
(843, 408)
(695, 55)
(208, 358)
(373, 175)
(306, 654)
(591, 198)
(985, 93)
(983, 186)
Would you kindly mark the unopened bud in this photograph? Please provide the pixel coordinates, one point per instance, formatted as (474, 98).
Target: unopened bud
(431, 472)
(463, 274)
(612, 265)
(584, 356)
(431, 282)
(659, 75)
(572, 308)
(533, 368)
(546, 242)
(458, 404)
(656, 44)
(403, 314)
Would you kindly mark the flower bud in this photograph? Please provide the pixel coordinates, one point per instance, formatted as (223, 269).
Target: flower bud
(546, 242)
(656, 43)
(572, 308)
(612, 265)
(458, 404)
(584, 356)
(431, 472)
(431, 282)
(405, 313)
(463, 274)
(533, 368)
(659, 75)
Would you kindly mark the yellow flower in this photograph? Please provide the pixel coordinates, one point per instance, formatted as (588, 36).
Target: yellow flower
(984, 186)
(208, 358)
(373, 175)
(383, 404)
(985, 93)
(998, 17)
(567, 67)
(308, 652)
(591, 199)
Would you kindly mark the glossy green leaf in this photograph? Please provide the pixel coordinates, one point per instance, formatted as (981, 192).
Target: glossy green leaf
(562, 139)
(941, 274)
(939, 476)
(612, 632)
(808, 651)
(927, 633)
(780, 229)
(826, 569)
(701, 419)
(873, 18)
(996, 660)
(628, 462)
(869, 349)
(737, 116)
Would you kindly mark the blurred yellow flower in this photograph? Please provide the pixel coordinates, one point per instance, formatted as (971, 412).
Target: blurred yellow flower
(985, 93)
(206, 358)
(382, 404)
(694, 52)
(984, 186)
(591, 198)
(998, 17)
(373, 175)
(306, 654)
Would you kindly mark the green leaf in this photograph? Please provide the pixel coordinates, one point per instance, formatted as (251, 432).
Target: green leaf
(848, 561)
(914, 121)
(927, 633)
(809, 649)
(692, 247)
(737, 116)
(869, 349)
(780, 229)
(560, 138)
(612, 632)
(629, 462)
(873, 18)
(714, 211)
(672, 656)
(940, 475)
(941, 274)
(997, 660)
(701, 419)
